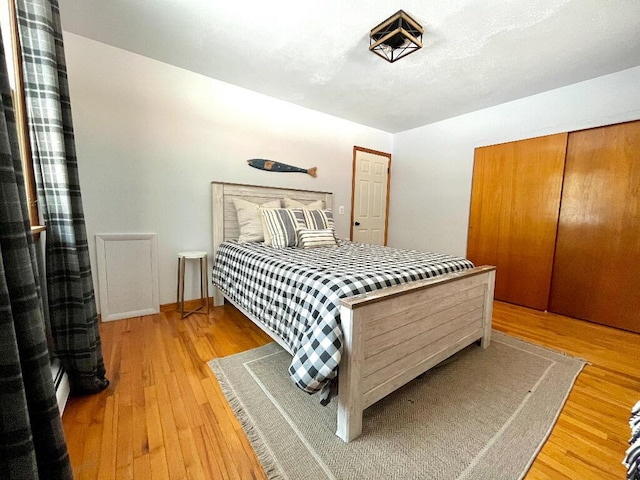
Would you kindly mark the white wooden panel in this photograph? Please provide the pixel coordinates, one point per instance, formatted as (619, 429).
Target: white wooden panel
(398, 356)
(421, 322)
(127, 275)
(363, 203)
(376, 236)
(421, 363)
(417, 307)
(378, 201)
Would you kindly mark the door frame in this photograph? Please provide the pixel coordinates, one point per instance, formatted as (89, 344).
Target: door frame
(357, 149)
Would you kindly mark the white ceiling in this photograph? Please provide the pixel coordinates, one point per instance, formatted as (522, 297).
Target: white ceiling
(477, 53)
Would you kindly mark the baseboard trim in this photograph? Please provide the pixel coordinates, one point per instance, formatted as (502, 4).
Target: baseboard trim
(188, 305)
(171, 307)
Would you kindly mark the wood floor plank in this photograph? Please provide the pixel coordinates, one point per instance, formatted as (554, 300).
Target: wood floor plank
(157, 455)
(93, 440)
(124, 442)
(183, 371)
(107, 452)
(192, 463)
(214, 456)
(165, 417)
(142, 467)
(207, 452)
(175, 460)
(72, 422)
(568, 464)
(599, 406)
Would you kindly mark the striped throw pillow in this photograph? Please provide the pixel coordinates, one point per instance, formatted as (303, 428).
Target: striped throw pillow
(281, 224)
(316, 238)
(319, 219)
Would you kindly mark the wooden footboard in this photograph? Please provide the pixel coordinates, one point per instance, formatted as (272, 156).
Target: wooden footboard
(393, 335)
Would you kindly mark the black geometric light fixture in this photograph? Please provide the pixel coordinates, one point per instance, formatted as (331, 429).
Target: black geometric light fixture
(396, 37)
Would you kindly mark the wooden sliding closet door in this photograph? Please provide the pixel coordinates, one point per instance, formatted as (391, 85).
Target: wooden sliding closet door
(597, 263)
(515, 201)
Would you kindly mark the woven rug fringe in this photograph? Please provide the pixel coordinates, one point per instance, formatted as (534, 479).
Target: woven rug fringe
(265, 456)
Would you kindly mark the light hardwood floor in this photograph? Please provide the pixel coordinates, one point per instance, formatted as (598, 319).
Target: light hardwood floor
(163, 416)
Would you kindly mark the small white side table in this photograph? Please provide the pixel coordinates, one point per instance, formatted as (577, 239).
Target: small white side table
(204, 284)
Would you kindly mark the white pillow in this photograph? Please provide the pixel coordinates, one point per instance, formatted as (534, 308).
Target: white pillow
(315, 205)
(316, 238)
(249, 219)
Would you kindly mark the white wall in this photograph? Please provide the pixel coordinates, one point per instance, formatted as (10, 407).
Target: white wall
(433, 165)
(151, 137)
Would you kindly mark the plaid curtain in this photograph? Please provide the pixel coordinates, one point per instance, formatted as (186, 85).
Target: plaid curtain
(32, 443)
(72, 306)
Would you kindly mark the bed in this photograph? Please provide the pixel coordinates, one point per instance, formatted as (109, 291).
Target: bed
(388, 335)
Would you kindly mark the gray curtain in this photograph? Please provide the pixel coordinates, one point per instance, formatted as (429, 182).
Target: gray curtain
(32, 444)
(72, 306)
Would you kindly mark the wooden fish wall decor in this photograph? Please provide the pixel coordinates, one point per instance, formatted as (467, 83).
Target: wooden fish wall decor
(271, 166)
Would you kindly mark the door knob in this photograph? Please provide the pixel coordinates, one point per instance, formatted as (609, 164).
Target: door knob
(357, 224)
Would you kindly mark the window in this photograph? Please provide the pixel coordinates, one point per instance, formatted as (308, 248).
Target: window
(11, 42)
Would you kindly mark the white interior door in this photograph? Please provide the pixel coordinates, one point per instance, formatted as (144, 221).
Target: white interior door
(371, 171)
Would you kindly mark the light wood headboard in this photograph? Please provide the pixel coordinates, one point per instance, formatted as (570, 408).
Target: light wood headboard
(225, 219)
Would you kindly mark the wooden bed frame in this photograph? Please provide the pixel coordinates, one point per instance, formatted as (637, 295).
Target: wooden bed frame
(391, 335)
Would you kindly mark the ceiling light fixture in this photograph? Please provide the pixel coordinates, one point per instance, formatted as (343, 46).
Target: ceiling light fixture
(396, 37)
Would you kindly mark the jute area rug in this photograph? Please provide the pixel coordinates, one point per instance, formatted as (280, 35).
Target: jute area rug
(484, 414)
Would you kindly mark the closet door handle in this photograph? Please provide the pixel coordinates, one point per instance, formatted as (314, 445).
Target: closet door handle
(357, 224)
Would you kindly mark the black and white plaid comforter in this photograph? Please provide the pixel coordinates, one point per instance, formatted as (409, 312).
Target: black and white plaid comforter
(296, 292)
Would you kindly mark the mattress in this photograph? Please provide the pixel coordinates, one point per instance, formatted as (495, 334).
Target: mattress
(296, 292)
